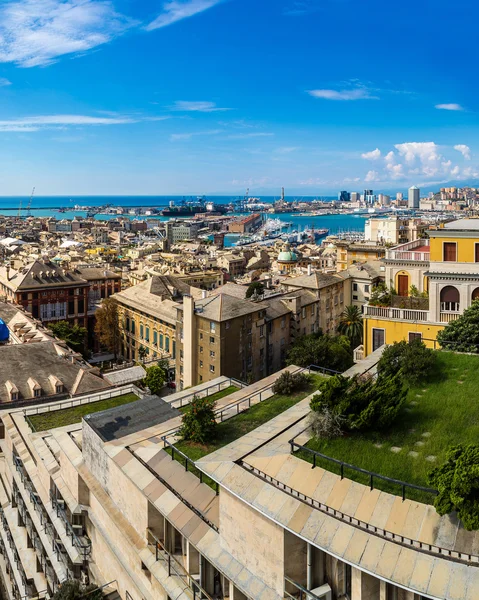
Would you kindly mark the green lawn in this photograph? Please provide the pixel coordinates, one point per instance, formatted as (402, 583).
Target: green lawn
(221, 394)
(441, 412)
(230, 430)
(69, 416)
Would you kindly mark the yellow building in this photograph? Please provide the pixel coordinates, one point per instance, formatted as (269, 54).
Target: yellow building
(446, 267)
(349, 253)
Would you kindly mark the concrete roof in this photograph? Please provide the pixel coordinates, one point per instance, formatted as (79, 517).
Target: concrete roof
(124, 376)
(316, 281)
(463, 224)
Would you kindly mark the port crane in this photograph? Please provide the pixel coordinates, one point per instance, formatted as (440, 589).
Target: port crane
(29, 207)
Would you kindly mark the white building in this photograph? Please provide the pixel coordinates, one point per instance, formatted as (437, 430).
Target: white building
(414, 197)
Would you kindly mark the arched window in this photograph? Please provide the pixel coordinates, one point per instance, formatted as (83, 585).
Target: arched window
(450, 299)
(155, 338)
(141, 331)
(475, 293)
(167, 343)
(132, 326)
(127, 324)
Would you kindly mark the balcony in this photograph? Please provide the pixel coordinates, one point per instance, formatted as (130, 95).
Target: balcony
(403, 314)
(411, 251)
(448, 316)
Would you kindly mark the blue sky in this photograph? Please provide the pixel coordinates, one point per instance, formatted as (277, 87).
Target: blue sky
(212, 96)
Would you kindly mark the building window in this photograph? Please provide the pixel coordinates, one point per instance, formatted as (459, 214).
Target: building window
(201, 349)
(450, 251)
(37, 393)
(355, 287)
(201, 336)
(132, 326)
(476, 252)
(303, 313)
(212, 340)
(261, 331)
(450, 299)
(201, 364)
(147, 334)
(283, 322)
(141, 331)
(366, 289)
(127, 324)
(212, 368)
(212, 327)
(355, 297)
(161, 341)
(155, 338)
(414, 336)
(227, 325)
(167, 344)
(212, 354)
(378, 338)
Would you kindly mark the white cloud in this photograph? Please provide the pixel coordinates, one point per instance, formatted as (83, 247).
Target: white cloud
(287, 149)
(464, 150)
(361, 93)
(395, 171)
(390, 157)
(372, 176)
(176, 10)
(37, 32)
(177, 137)
(36, 123)
(373, 155)
(4, 82)
(201, 106)
(452, 106)
(423, 151)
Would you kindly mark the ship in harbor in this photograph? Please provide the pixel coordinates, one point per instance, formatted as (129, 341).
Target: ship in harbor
(190, 209)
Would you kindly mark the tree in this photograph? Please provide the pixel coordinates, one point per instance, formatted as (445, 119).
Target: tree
(72, 589)
(457, 482)
(142, 352)
(362, 404)
(74, 335)
(155, 378)
(256, 287)
(199, 422)
(411, 359)
(462, 335)
(107, 325)
(330, 352)
(351, 325)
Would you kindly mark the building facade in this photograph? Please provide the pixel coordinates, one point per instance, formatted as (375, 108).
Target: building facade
(443, 268)
(110, 506)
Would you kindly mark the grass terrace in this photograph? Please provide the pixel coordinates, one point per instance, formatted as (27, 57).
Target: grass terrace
(440, 413)
(230, 430)
(70, 416)
(215, 397)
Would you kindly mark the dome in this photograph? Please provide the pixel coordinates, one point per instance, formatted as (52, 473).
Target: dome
(287, 255)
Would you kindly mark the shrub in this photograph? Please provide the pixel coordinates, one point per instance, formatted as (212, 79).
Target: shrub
(457, 481)
(412, 360)
(199, 423)
(363, 404)
(462, 335)
(326, 423)
(256, 287)
(288, 382)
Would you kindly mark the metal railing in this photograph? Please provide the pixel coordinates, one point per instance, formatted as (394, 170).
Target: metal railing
(197, 512)
(187, 462)
(217, 387)
(83, 547)
(431, 549)
(303, 593)
(370, 474)
(322, 370)
(175, 568)
(90, 399)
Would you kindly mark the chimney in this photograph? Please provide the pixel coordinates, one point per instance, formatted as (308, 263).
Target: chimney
(8, 271)
(310, 269)
(204, 294)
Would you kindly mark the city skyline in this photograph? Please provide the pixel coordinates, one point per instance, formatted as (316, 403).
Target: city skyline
(213, 97)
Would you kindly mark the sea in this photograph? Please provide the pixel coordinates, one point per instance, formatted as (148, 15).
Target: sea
(48, 206)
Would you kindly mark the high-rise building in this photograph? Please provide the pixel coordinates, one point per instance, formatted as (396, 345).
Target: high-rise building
(355, 196)
(369, 197)
(344, 196)
(384, 199)
(414, 197)
(399, 197)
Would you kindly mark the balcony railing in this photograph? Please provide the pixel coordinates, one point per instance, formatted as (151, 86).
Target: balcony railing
(447, 317)
(408, 251)
(83, 544)
(388, 312)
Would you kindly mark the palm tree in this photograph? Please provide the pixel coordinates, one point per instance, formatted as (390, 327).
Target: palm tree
(351, 325)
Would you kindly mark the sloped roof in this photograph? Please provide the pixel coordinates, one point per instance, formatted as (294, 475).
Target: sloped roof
(224, 307)
(316, 281)
(39, 274)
